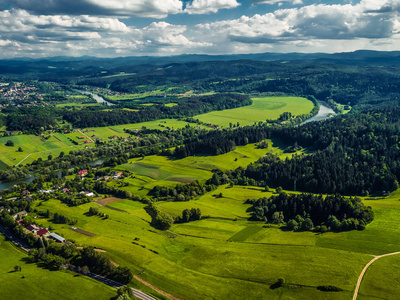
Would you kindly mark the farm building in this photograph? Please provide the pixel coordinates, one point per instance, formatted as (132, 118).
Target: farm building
(32, 228)
(56, 237)
(20, 214)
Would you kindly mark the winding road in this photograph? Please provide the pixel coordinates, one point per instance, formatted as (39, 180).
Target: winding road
(365, 269)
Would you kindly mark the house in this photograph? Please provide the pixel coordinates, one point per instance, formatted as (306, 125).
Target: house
(87, 141)
(25, 192)
(46, 191)
(56, 237)
(82, 173)
(32, 228)
(20, 221)
(43, 232)
(1, 208)
(90, 194)
(65, 190)
(20, 214)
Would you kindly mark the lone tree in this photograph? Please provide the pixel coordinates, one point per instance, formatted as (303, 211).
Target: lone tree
(10, 143)
(17, 269)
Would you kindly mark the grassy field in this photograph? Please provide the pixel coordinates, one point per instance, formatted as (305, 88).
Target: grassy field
(225, 255)
(77, 105)
(160, 170)
(262, 109)
(34, 146)
(34, 282)
(220, 266)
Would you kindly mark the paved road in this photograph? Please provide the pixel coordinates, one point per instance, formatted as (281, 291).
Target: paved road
(365, 269)
(112, 283)
(12, 238)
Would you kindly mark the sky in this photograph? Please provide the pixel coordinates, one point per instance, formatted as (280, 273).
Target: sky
(115, 28)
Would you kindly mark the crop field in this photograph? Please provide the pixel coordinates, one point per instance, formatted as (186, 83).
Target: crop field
(262, 109)
(42, 283)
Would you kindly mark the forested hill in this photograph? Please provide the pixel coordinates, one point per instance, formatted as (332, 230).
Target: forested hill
(355, 154)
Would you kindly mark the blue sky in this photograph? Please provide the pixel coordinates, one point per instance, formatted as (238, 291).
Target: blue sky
(110, 28)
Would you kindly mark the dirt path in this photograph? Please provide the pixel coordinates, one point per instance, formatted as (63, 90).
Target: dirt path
(365, 269)
(23, 159)
(90, 139)
(169, 296)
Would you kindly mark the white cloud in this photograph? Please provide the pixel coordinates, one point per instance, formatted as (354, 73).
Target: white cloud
(48, 35)
(165, 34)
(209, 6)
(124, 8)
(295, 2)
(338, 22)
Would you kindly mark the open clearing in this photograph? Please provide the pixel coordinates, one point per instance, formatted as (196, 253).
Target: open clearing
(262, 109)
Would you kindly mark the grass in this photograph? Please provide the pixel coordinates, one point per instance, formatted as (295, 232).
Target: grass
(217, 257)
(160, 170)
(36, 146)
(382, 279)
(77, 105)
(263, 108)
(199, 268)
(39, 283)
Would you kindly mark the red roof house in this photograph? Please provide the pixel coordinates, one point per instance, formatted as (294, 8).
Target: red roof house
(82, 173)
(42, 232)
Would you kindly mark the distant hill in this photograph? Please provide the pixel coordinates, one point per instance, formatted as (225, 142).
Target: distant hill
(87, 63)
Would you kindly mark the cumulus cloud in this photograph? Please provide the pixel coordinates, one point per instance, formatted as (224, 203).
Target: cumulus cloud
(322, 21)
(295, 2)
(124, 8)
(81, 35)
(209, 6)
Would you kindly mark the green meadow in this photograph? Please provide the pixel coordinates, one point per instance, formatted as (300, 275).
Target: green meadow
(160, 170)
(34, 146)
(262, 109)
(36, 283)
(227, 256)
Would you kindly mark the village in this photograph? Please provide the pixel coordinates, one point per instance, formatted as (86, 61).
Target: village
(67, 194)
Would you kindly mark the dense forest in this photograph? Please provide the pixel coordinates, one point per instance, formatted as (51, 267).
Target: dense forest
(309, 212)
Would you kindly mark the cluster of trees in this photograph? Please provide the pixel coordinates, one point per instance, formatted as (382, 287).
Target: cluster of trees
(182, 192)
(309, 212)
(73, 199)
(99, 264)
(52, 254)
(58, 218)
(95, 211)
(188, 215)
(159, 219)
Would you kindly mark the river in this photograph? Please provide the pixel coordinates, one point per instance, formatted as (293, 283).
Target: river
(96, 97)
(324, 113)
